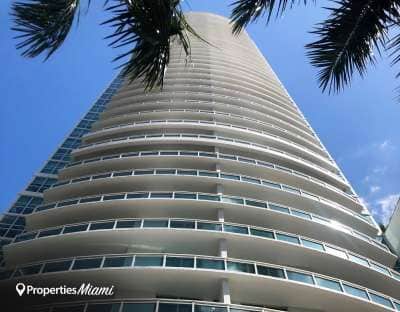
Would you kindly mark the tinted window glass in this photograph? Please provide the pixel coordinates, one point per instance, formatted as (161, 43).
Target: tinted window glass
(81, 264)
(262, 233)
(103, 307)
(274, 272)
(57, 266)
(182, 224)
(209, 226)
(355, 291)
(148, 261)
(179, 262)
(288, 238)
(155, 223)
(125, 224)
(204, 308)
(313, 245)
(235, 229)
(139, 307)
(328, 284)
(75, 228)
(118, 262)
(240, 267)
(300, 277)
(210, 264)
(172, 307)
(381, 300)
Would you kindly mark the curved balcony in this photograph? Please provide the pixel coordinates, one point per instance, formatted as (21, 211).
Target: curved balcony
(208, 115)
(170, 179)
(207, 206)
(251, 150)
(209, 160)
(181, 103)
(313, 153)
(194, 276)
(206, 95)
(178, 235)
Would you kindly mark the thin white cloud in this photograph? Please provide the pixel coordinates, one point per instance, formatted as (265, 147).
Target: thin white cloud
(374, 188)
(383, 207)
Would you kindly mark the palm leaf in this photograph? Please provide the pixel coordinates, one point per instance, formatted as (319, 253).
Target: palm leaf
(146, 28)
(348, 37)
(43, 24)
(247, 11)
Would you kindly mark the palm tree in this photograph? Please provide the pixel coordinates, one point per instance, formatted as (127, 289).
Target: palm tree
(345, 41)
(145, 27)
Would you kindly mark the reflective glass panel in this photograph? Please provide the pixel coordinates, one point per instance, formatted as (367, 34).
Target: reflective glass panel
(32, 269)
(101, 226)
(125, 224)
(155, 223)
(235, 229)
(268, 271)
(181, 224)
(210, 264)
(82, 264)
(179, 262)
(301, 214)
(278, 208)
(75, 228)
(288, 238)
(323, 282)
(173, 307)
(300, 277)
(381, 300)
(204, 308)
(117, 262)
(209, 226)
(336, 252)
(57, 266)
(355, 291)
(240, 267)
(313, 245)
(144, 261)
(262, 233)
(358, 260)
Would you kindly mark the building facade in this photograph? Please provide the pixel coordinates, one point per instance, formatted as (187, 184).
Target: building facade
(212, 195)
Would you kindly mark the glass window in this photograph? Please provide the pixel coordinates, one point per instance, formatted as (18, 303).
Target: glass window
(57, 266)
(122, 174)
(110, 262)
(101, 176)
(301, 214)
(256, 203)
(181, 224)
(155, 223)
(336, 252)
(208, 174)
(209, 226)
(270, 184)
(113, 197)
(75, 228)
(185, 195)
(179, 262)
(379, 268)
(210, 264)
(326, 283)
(397, 305)
(32, 269)
(288, 238)
(137, 195)
(230, 176)
(90, 199)
(82, 264)
(355, 291)
(204, 308)
(161, 195)
(278, 208)
(209, 197)
(165, 171)
(143, 172)
(300, 277)
(313, 245)
(359, 260)
(187, 172)
(173, 307)
(232, 200)
(381, 300)
(127, 224)
(138, 307)
(235, 229)
(268, 271)
(145, 261)
(103, 307)
(101, 226)
(262, 233)
(240, 267)
(25, 237)
(67, 203)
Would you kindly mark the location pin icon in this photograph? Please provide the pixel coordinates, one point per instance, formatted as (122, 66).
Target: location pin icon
(20, 288)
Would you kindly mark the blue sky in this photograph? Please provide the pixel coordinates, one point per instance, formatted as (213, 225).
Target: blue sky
(42, 101)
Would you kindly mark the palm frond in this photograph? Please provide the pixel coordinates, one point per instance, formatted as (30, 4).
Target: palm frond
(348, 38)
(247, 11)
(43, 24)
(147, 28)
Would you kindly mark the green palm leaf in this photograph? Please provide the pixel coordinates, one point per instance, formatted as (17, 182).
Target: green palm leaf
(43, 24)
(146, 28)
(247, 11)
(348, 37)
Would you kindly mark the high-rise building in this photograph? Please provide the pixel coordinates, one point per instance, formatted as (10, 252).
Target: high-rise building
(212, 195)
